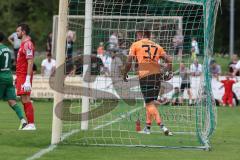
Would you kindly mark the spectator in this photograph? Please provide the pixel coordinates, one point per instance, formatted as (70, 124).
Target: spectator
(215, 69)
(185, 83)
(48, 65)
(71, 38)
(116, 66)
(49, 43)
(96, 65)
(178, 44)
(107, 60)
(232, 65)
(177, 98)
(16, 42)
(196, 68)
(195, 49)
(69, 67)
(100, 50)
(113, 41)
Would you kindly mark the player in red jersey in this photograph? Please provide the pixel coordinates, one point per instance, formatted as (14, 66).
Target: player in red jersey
(24, 73)
(228, 93)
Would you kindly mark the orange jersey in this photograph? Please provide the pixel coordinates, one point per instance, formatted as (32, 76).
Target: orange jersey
(147, 54)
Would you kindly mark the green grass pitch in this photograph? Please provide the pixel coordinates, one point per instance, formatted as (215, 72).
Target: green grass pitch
(17, 145)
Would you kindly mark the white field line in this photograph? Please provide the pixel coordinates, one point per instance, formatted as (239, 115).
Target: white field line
(68, 134)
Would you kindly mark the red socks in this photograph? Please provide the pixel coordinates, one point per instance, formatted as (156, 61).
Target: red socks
(29, 112)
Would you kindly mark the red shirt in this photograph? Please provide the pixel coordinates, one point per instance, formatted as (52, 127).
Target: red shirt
(25, 52)
(228, 85)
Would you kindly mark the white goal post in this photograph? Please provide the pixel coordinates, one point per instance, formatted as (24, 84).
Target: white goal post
(60, 60)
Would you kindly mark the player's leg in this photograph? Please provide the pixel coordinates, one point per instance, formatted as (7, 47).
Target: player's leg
(26, 101)
(188, 86)
(174, 101)
(29, 112)
(2, 90)
(224, 99)
(180, 51)
(154, 111)
(146, 88)
(8, 94)
(18, 110)
(182, 88)
(150, 96)
(147, 128)
(180, 100)
(230, 100)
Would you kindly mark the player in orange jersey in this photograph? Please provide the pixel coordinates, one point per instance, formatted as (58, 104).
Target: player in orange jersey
(146, 54)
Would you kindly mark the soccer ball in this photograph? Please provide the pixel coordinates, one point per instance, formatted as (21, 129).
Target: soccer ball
(166, 72)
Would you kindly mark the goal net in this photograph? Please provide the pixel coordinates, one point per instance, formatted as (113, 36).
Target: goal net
(96, 107)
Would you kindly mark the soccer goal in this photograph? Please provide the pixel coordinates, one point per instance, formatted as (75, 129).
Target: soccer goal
(101, 109)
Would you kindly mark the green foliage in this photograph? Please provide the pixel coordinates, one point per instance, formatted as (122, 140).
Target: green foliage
(222, 27)
(37, 13)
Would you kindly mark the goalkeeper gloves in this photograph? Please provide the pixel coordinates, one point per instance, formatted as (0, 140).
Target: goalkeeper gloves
(27, 84)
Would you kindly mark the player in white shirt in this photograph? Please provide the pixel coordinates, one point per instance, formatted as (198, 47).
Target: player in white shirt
(48, 66)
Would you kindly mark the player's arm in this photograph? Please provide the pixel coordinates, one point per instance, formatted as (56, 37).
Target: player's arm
(30, 67)
(166, 58)
(27, 84)
(10, 39)
(127, 67)
(130, 59)
(29, 56)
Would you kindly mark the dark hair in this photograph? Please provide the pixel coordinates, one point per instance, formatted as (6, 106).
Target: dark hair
(25, 28)
(146, 34)
(2, 36)
(49, 54)
(212, 62)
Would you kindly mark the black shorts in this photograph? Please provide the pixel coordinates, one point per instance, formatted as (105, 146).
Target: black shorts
(185, 85)
(150, 87)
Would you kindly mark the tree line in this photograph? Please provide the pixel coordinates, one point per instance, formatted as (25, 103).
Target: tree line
(39, 15)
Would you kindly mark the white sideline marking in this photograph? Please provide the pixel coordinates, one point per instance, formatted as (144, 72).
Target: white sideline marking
(68, 134)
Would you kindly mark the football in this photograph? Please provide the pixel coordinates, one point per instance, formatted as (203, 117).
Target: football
(166, 72)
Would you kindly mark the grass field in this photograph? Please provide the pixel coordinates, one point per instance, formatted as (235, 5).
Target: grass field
(17, 145)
